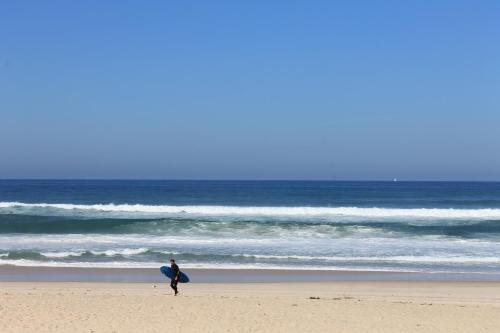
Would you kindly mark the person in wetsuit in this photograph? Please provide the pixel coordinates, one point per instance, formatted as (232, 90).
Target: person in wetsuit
(175, 276)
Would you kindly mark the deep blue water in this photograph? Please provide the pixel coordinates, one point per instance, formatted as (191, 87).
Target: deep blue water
(256, 193)
(398, 226)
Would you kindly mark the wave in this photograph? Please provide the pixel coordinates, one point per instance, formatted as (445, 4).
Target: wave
(333, 238)
(253, 266)
(374, 212)
(111, 253)
(188, 265)
(263, 258)
(143, 257)
(30, 224)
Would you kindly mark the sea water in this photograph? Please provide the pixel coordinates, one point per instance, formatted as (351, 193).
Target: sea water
(328, 225)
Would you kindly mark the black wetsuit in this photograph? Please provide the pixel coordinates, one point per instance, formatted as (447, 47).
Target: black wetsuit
(175, 277)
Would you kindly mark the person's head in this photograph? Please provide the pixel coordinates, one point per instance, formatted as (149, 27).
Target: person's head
(172, 261)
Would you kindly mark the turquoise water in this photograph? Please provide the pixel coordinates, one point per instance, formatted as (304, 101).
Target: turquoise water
(389, 226)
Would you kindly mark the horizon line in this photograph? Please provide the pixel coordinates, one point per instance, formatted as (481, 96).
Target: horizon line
(394, 180)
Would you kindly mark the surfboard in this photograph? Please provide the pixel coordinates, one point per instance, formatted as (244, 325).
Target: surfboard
(168, 272)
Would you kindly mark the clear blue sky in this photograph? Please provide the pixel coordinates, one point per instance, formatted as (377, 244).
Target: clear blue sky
(250, 89)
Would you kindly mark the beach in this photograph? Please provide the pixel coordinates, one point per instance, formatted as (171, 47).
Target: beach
(338, 306)
(295, 167)
(84, 256)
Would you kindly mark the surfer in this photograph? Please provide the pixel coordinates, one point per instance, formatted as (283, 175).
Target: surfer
(175, 276)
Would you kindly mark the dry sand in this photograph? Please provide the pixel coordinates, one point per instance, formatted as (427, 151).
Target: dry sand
(243, 307)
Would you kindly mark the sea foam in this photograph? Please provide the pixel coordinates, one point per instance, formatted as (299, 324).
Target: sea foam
(372, 212)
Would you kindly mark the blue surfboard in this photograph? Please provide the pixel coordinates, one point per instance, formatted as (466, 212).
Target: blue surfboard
(168, 272)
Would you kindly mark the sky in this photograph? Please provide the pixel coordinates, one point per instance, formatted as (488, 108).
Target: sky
(338, 90)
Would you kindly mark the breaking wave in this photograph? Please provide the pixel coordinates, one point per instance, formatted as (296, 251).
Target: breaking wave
(374, 212)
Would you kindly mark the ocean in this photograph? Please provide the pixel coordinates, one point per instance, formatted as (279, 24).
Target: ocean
(326, 225)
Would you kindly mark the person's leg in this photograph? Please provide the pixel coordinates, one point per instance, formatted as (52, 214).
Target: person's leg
(173, 285)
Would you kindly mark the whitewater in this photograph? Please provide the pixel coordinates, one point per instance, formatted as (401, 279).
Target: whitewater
(373, 212)
(379, 226)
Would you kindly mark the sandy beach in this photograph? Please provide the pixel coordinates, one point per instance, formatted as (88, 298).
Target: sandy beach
(341, 306)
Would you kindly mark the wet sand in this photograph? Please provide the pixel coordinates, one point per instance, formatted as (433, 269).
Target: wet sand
(79, 274)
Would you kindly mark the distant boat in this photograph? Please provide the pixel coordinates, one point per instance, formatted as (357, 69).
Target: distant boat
(395, 180)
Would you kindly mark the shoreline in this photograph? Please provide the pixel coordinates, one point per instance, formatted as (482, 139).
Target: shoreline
(201, 275)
